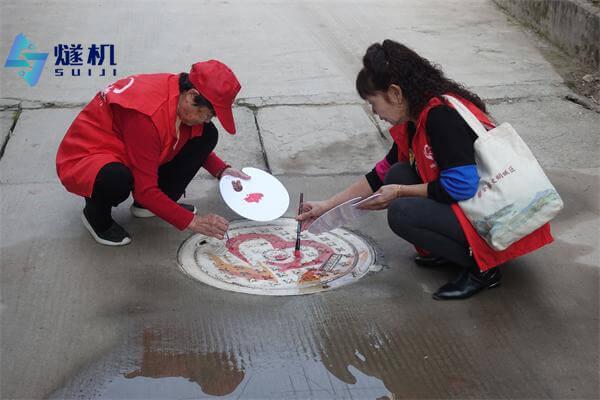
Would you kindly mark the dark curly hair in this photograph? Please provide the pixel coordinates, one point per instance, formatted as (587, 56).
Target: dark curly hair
(185, 84)
(393, 63)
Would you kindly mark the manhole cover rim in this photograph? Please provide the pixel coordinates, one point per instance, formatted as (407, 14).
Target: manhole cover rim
(372, 264)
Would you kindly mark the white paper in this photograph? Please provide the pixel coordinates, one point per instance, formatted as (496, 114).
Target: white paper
(262, 198)
(371, 197)
(338, 216)
(344, 214)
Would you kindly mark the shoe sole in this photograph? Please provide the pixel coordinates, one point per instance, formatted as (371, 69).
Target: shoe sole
(98, 239)
(493, 285)
(145, 213)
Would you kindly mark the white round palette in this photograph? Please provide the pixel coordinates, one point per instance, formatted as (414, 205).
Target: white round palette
(262, 198)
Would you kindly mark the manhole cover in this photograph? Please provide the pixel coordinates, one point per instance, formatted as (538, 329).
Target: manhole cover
(259, 259)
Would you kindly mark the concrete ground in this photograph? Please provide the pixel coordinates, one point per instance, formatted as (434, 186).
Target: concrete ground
(81, 320)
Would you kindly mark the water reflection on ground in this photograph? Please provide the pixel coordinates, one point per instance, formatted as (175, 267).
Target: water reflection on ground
(162, 370)
(356, 343)
(298, 380)
(217, 374)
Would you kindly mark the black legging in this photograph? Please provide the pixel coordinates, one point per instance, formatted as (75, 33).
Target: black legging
(114, 181)
(426, 223)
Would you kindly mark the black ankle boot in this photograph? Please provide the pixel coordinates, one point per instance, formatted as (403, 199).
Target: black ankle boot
(468, 283)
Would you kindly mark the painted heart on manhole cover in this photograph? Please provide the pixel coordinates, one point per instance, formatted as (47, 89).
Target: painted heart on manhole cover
(259, 259)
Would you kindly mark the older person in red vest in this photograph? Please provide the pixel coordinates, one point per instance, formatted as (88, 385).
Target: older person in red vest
(430, 167)
(149, 135)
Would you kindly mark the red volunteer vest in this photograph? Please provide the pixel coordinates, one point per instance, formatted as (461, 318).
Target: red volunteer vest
(485, 256)
(91, 142)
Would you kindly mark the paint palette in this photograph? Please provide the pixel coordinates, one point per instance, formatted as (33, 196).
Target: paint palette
(259, 259)
(261, 198)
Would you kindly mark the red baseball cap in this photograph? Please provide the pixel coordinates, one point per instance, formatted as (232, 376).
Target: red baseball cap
(218, 84)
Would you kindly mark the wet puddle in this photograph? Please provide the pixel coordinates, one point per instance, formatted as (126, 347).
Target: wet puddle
(308, 380)
(160, 371)
(309, 347)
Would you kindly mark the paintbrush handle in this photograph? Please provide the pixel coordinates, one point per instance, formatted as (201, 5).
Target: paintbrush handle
(299, 226)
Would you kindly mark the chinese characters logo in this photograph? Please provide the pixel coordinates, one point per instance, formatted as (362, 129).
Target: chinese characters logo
(73, 56)
(22, 56)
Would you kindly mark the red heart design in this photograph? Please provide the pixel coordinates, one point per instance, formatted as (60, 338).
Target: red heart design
(324, 251)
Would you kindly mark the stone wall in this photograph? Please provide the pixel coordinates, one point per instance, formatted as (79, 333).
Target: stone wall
(573, 25)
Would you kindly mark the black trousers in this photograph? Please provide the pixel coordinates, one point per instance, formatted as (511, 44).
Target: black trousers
(114, 181)
(426, 223)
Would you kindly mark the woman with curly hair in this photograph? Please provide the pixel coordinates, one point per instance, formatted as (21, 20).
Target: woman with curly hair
(430, 168)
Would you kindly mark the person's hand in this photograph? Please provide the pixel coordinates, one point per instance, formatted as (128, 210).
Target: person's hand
(311, 210)
(388, 193)
(209, 225)
(235, 173)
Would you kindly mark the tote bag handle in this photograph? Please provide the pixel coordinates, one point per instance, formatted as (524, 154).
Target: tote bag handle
(467, 115)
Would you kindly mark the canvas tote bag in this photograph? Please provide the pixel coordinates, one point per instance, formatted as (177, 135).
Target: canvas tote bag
(514, 196)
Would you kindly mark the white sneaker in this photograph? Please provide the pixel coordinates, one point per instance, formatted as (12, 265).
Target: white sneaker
(140, 212)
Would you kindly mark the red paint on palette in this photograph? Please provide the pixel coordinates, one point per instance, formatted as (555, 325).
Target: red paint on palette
(254, 197)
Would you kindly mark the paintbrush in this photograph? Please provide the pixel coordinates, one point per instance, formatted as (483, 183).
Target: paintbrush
(299, 228)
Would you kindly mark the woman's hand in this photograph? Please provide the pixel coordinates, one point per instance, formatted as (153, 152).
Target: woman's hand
(209, 225)
(235, 173)
(311, 210)
(388, 193)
